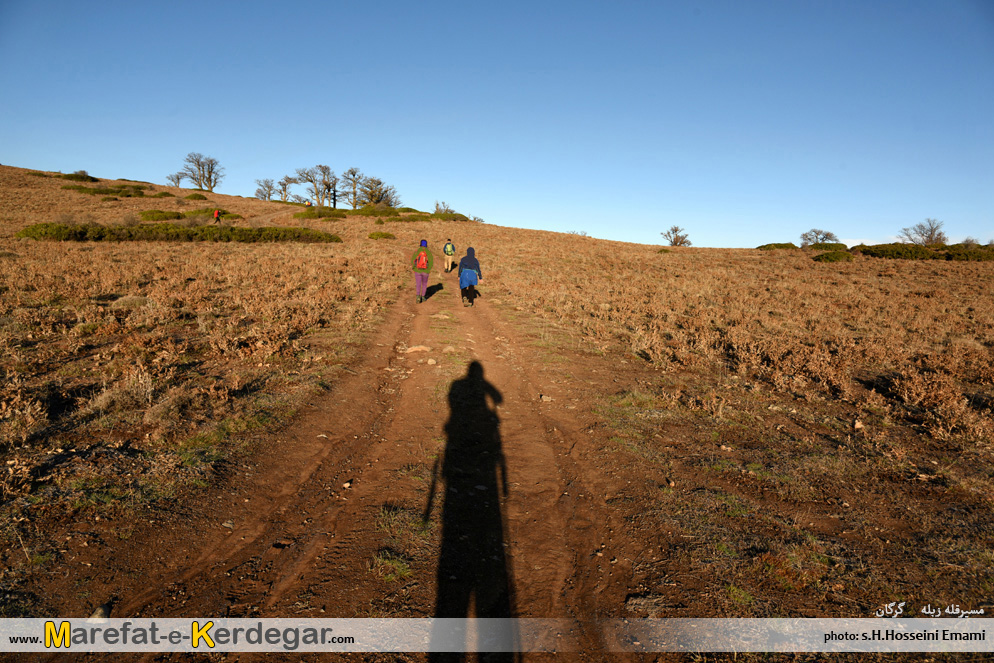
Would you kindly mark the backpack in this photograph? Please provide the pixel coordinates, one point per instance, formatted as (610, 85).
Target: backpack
(449, 249)
(422, 260)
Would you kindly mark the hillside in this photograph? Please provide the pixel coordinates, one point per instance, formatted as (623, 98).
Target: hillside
(200, 428)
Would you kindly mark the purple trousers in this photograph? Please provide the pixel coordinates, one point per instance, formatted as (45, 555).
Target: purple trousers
(421, 283)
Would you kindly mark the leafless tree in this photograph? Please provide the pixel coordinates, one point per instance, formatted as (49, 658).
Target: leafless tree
(373, 191)
(298, 199)
(205, 172)
(676, 236)
(176, 179)
(927, 233)
(351, 181)
(283, 187)
(329, 185)
(815, 236)
(312, 178)
(266, 189)
(443, 208)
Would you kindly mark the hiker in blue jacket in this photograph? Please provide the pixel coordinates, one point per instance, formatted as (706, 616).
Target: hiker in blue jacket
(469, 276)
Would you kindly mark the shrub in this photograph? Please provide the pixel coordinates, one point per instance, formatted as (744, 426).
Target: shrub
(159, 215)
(230, 216)
(828, 246)
(774, 246)
(663, 251)
(374, 210)
(408, 209)
(107, 199)
(196, 196)
(79, 176)
(171, 232)
(163, 194)
(38, 174)
(897, 251)
(834, 256)
(450, 216)
(380, 222)
(967, 251)
(379, 235)
(320, 213)
(411, 218)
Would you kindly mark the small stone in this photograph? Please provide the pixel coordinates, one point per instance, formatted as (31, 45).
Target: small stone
(448, 349)
(229, 524)
(347, 484)
(432, 362)
(418, 348)
(544, 398)
(857, 424)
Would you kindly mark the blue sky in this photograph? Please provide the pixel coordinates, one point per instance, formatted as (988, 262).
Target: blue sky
(742, 122)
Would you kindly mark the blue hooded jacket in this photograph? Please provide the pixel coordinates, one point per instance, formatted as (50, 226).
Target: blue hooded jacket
(471, 266)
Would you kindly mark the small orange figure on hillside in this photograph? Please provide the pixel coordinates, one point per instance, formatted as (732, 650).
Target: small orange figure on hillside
(217, 216)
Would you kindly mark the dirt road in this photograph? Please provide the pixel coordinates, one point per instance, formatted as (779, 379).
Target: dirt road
(439, 477)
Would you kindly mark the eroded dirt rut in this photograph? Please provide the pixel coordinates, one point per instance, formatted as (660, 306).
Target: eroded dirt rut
(444, 422)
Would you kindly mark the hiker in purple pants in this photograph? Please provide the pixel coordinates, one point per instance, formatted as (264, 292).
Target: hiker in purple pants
(421, 262)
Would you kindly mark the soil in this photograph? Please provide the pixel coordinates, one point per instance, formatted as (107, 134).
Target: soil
(296, 529)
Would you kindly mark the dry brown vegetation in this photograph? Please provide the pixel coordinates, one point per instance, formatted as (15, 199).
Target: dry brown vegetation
(839, 413)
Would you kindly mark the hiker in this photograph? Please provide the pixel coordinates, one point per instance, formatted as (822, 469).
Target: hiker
(469, 277)
(422, 261)
(217, 216)
(450, 251)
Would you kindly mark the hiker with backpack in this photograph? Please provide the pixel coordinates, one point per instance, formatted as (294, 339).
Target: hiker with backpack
(217, 216)
(450, 251)
(469, 277)
(422, 261)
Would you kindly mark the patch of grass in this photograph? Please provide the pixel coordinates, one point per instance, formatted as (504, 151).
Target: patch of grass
(740, 596)
(196, 196)
(108, 199)
(663, 251)
(120, 190)
(170, 232)
(163, 194)
(391, 565)
(827, 246)
(379, 235)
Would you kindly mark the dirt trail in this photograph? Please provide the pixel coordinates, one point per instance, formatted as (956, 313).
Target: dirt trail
(445, 414)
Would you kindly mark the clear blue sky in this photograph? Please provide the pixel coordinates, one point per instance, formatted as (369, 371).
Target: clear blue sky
(742, 122)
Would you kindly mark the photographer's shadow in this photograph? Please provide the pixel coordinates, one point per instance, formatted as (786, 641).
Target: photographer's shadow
(474, 578)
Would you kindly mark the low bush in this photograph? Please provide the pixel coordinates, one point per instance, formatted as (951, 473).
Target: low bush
(39, 174)
(663, 251)
(373, 210)
(834, 256)
(171, 232)
(780, 245)
(205, 211)
(408, 209)
(79, 176)
(320, 213)
(379, 235)
(828, 246)
(969, 251)
(897, 251)
(450, 216)
(231, 216)
(108, 199)
(163, 194)
(196, 196)
(159, 215)
(411, 218)
(119, 190)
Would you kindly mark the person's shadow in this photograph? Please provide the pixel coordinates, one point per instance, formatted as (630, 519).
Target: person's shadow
(432, 289)
(474, 578)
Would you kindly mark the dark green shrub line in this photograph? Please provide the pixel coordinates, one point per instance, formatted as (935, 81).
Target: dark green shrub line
(170, 232)
(780, 245)
(901, 251)
(79, 176)
(449, 216)
(320, 213)
(373, 211)
(196, 196)
(122, 191)
(828, 246)
(159, 215)
(379, 235)
(834, 256)
(163, 194)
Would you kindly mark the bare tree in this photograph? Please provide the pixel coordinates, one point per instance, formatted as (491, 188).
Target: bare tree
(283, 187)
(351, 181)
(676, 236)
(266, 189)
(329, 185)
(298, 199)
(312, 178)
(176, 179)
(204, 172)
(815, 236)
(373, 191)
(927, 233)
(443, 208)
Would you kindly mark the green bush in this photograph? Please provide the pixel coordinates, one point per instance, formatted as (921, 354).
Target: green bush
(380, 222)
(450, 216)
(373, 210)
(163, 194)
(171, 232)
(780, 245)
(320, 213)
(411, 218)
(663, 251)
(120, 190)
(897, 251)
(834, 256)
(196, 196)
(969, 252)
(379, 235)
(828, 246)
(408, 209)
(39, 174)
(231, 216)
(79, 176)
(108, 199)
(159, 215)
(205, 211)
